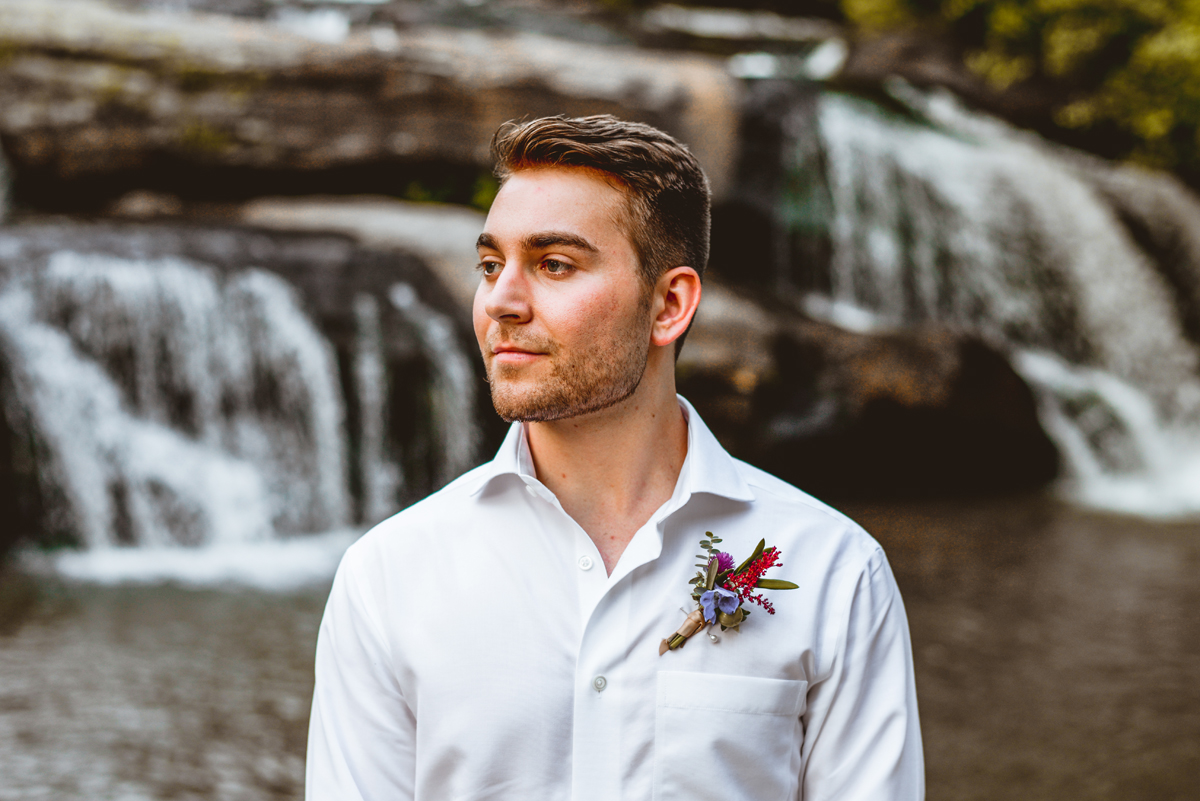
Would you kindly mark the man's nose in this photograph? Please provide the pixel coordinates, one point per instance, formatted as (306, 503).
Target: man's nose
(508, 298)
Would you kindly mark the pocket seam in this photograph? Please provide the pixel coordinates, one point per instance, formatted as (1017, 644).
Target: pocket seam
(724, 709)
(712, 681)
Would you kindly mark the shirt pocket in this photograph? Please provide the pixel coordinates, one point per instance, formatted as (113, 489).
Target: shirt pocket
(726, 737)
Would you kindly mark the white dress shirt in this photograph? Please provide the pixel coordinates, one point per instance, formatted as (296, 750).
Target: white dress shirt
(473, 649)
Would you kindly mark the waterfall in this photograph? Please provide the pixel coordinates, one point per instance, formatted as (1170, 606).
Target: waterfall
(382, 479)
(943, 215)
(177, 414)
(171, 407)
(453, 391)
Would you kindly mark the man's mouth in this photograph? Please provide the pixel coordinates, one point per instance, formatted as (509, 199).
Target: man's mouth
(513, 354)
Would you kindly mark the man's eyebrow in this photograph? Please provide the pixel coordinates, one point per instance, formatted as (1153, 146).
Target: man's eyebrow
(549, 239)
(541, 241)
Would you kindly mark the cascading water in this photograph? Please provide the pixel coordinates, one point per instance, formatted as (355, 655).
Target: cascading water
(453, 390)
(174, 408)
(166, 403)
(948, 216)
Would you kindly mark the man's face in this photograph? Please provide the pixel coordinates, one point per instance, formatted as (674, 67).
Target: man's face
(561, 314)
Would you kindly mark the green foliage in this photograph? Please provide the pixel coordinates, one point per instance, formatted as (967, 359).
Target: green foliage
(484, 191)
(1130, 66)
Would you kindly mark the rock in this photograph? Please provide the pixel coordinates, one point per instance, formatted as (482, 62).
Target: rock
(900, 414)
(441, 234)
(143, 204)
(87, 90)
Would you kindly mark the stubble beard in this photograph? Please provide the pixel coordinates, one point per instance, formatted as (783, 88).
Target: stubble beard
(609, 373)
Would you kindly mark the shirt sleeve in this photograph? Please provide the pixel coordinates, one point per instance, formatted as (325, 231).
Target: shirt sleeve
(862, 736)
(361, 736)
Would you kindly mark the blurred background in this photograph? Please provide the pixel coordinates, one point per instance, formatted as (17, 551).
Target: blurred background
(954, 290)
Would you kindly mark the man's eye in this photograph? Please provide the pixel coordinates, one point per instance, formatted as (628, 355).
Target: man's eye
(555, 267)
(488, 267)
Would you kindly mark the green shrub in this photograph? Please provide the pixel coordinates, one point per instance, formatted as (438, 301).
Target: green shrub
(1131, 66)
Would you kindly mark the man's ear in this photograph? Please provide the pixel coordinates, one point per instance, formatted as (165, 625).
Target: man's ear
(676, 296)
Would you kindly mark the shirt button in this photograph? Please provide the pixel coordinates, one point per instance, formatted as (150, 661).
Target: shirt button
(599, 683)
(585, 563)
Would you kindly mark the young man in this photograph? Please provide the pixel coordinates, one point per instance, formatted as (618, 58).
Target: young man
(504, 638)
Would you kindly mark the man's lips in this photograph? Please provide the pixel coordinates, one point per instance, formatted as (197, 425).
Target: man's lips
(510, 354)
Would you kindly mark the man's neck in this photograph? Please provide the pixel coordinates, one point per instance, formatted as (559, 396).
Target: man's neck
(613, 469)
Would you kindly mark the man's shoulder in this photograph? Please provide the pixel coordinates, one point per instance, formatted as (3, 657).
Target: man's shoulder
(424, 523)
(809, 517)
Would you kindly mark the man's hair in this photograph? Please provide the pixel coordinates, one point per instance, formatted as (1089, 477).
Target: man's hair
(667, 213)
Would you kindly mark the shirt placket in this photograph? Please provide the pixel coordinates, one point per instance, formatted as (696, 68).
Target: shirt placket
(602, 677)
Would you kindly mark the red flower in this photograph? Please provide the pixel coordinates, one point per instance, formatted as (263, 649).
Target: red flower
(743, 584)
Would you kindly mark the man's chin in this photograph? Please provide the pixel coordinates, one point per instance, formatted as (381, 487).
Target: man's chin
(540, 404)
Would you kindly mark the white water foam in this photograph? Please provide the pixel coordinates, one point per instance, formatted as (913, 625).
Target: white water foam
(275, 565)
(1120, 454)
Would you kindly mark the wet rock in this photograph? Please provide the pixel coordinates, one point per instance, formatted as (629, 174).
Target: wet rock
(900, 414)
(87, 89)
(443, 235)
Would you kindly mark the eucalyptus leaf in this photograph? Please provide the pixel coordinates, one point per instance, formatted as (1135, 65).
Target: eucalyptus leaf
(705, 544)
(776, 584)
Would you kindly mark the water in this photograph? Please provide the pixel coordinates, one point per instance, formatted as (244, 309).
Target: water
(164, 401)
(1057, 653)
(1057, 650)
(138, 692)
(174, 407)
(940, 215)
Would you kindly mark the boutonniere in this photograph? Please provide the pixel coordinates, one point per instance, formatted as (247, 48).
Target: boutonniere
(721, 590)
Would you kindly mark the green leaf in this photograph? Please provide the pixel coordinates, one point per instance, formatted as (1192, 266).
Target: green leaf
(705, 544)
(776, 584)
(712, 575)
(695, 580)
(757, 553)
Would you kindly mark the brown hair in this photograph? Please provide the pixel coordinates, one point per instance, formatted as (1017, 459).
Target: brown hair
(668, 214)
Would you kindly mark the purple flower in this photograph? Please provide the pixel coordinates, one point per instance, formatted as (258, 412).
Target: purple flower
(724, 561)
(718, 598)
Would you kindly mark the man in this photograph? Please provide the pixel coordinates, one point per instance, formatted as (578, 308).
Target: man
(501, 639)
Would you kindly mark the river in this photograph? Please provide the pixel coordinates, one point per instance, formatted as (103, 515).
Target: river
(1057, 653)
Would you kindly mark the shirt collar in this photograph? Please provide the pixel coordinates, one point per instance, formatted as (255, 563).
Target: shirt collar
(708, 468)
